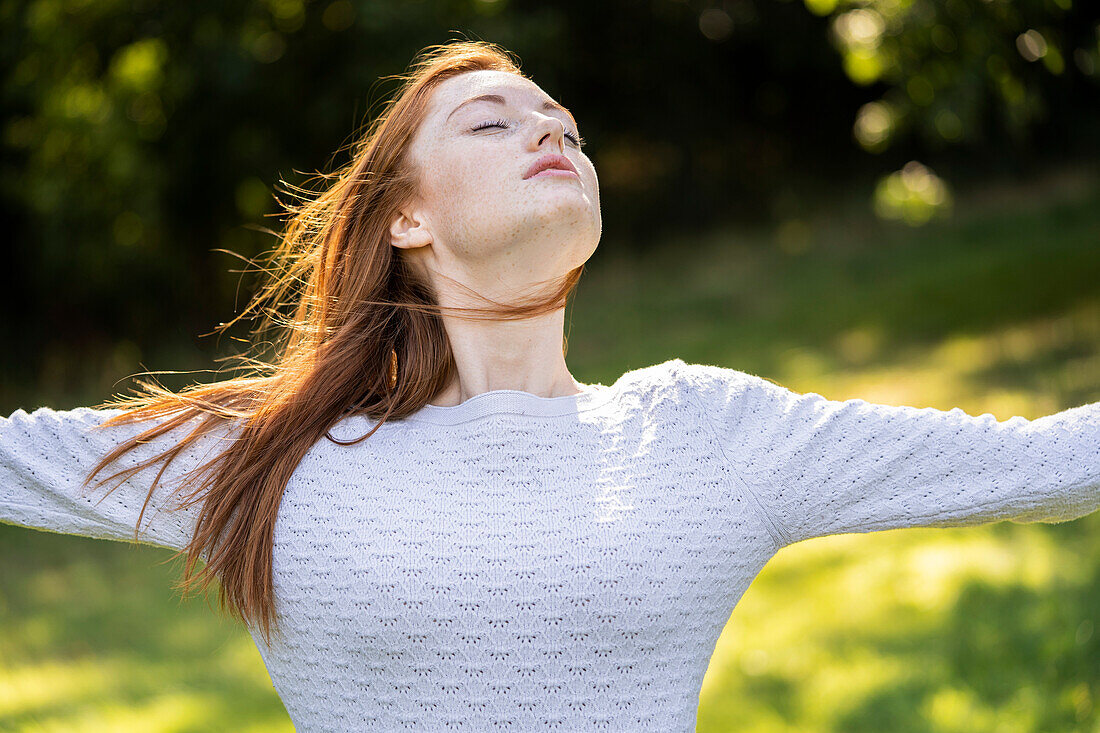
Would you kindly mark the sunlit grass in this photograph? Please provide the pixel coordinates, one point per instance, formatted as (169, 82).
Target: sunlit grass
(969, 629)
(93, 639)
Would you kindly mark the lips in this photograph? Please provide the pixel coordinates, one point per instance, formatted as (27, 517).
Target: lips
(551, 160)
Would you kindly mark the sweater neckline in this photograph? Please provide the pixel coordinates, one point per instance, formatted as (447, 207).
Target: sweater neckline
(515, 402)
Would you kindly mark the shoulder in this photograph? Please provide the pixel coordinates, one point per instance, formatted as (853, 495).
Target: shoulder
(710, 381)
(649, 383)
(690, 387)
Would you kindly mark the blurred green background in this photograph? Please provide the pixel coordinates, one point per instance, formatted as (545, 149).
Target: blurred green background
(897, 200)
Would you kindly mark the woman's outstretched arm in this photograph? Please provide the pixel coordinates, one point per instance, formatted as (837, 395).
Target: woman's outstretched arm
(46, 454)
(821, 467)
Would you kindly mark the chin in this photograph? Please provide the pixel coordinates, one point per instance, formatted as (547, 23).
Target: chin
(577, 222)
(565, 201)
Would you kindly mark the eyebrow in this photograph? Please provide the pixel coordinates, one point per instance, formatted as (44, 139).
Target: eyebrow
(497, 99)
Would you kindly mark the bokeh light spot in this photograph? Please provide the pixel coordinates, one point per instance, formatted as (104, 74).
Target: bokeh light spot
(715, 24)
(338, 15)
(268, 47)
(912, 195)
(1031, 45)
(140, 65)
(948, 125)
(874, 125)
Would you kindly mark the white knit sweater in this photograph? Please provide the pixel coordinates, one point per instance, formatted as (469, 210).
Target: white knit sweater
(532, 564)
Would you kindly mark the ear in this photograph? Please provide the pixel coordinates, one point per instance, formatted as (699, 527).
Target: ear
(409, 230)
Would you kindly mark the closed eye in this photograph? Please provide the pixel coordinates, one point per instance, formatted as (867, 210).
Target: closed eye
(576, 139)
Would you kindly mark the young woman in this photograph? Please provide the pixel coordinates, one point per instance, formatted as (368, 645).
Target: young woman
(426, 522)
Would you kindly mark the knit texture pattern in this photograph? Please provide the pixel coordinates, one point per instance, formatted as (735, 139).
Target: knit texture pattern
(518, 563)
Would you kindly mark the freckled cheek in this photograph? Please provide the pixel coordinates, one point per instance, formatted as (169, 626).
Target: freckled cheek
(453, 184)
(478, 179)
(594, 179)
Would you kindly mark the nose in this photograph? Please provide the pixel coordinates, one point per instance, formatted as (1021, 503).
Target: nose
(548, 129)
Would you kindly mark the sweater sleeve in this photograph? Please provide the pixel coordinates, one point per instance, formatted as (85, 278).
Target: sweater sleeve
(46, 454)
(819, 467)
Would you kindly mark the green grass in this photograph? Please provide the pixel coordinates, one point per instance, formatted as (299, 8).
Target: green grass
(988, 628)
(93, 639)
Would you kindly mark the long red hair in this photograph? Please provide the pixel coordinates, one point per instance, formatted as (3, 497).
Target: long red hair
(357, 302)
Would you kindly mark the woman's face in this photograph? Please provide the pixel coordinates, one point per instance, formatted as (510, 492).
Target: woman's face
(487, 223)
